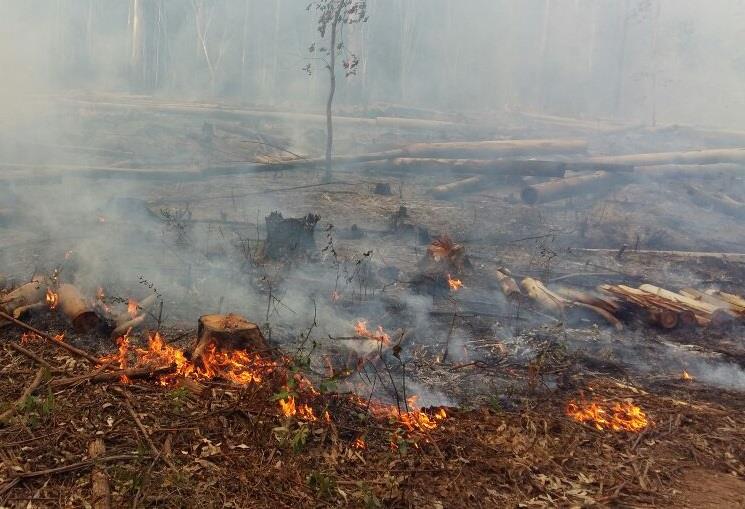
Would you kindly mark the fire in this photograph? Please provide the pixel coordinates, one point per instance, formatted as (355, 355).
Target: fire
(686, 377)
(52, 299)
(121, 357)
(359, 443)
(132, 306)
(624, 416)
(360, 328)
(290, 408)
(27, 337)
(60, 337)
(414, 419)
(454, 284)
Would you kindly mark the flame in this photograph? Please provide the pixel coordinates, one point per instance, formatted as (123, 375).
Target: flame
(52, 299)
(686, 377)
(359, 443)
(121, 357)
(132, 306)
(454, 284)
(414, 419)
(624, 416)
(290, 408)
(60, 337)
(360, 328)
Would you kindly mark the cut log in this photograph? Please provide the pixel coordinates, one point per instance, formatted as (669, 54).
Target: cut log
(717, 201)
(124, 327)
(710, 156)
(480, 166)
(657, 311)
(733, 300)
(571, 186)
(494, 149)
(607, 303)
(507, 284)
(460, 186)
(545, 298)
(717, 315)
(557, 305)
(23, 298)
(98, 376)
(76, 309)
(100, 491)
(694, 294)
(690, 170)
(227, 332)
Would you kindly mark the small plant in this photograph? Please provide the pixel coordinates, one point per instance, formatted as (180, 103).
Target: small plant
(178, 397)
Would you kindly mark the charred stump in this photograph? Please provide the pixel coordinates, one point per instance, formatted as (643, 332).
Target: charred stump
(227, 332)
(289, 237)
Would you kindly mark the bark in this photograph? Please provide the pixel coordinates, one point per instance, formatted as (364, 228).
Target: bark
(716, 314)
(23, 297)
(658, 311)
(573, 294)
(572, 186)
(332, 89)
(736, 305)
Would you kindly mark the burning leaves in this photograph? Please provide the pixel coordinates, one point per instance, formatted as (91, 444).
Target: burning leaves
(621, 416)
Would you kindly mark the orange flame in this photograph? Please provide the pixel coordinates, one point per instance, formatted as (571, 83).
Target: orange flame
(359, 443)
(622, 416)
(60, 337)
(360, 328)
(27, 337)
(290, 408)
(454, 284)
(52, 299)
(686, 377)
(121, 357)
(413, 419)
(132, 307)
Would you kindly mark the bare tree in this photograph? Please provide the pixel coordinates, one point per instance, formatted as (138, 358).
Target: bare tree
(333, 15)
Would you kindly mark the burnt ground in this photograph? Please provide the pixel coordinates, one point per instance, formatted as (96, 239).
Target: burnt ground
(504, 372)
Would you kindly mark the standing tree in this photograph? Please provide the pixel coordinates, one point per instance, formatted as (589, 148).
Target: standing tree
(333, 15)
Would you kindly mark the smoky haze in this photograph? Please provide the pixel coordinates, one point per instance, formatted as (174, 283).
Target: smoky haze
(637, 61)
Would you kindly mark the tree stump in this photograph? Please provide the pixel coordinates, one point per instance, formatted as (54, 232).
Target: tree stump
(76, 309)
(228, 332)
(289, 237)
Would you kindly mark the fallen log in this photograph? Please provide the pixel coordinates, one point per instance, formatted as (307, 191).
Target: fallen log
(113, 376)
(657, 311)
(459, 186)
(709, 156)
(76, 309)
(712, 299)
(558, 306)
(507, 284)
(572, 186)
(690, 170)
(480, 166)
(719, 201)
(716, 315)
(100, 490)
(609, 304)
(731, 299)
(124, 327)
(494, 149)
(227, 332)
(22, 298)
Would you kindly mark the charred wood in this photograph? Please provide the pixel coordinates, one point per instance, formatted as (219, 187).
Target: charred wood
(227, 332)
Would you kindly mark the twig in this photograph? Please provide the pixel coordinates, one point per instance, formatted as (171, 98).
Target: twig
(31, 355)
(100, 490)
(149, 441)
(22, 400)
(97, 376)
(61, 344)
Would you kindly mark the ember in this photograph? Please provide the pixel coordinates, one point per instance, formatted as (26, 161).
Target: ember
(623, 416)
(686, 377)
(359, 443)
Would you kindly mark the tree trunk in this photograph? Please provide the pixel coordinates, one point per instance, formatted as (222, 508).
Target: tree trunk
(332, 91)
